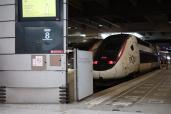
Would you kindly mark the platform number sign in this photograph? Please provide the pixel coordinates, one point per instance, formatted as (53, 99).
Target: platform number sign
(47, 34)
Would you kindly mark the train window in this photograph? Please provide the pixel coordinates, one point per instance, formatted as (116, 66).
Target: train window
(146, 57)
(132, 47)
(143, 42)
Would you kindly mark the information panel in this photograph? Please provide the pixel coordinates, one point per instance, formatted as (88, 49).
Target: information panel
(39, 28)
(39, 8)
(40, 40)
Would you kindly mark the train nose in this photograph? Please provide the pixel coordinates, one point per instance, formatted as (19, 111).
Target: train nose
(100, 76)
(96, 74)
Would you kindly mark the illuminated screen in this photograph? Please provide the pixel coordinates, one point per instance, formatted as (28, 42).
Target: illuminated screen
(39, 8)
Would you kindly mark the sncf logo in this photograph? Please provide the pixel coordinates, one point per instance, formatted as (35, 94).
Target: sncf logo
(131, 59)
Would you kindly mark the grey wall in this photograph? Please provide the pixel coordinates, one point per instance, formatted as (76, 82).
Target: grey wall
(7, 27)
(24, 81)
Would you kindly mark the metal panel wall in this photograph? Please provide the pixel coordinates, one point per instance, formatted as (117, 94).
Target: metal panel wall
(7, 2)
(7, 46)
(24, 62)
(7, 29)
(65, 22)
(7, 26)
(44, 79)
(9, 13)
(32, 95)
(28, 78)
(15, 62)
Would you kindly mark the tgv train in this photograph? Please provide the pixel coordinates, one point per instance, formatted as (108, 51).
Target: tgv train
(120, 55)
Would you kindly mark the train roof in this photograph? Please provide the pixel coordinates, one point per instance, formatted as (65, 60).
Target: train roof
(85, 44)
(118, 37)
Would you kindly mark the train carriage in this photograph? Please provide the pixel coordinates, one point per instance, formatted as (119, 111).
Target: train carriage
(123, 54)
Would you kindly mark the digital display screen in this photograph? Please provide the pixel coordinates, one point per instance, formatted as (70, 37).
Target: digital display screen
(39, 8)
(39, 39)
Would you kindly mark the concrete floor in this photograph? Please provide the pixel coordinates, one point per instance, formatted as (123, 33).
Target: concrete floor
(148, 94)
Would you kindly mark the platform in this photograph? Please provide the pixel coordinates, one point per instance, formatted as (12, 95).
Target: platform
(150, 93)
(147, 94)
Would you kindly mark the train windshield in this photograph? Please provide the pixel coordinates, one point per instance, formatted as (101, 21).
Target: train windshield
(107, 53)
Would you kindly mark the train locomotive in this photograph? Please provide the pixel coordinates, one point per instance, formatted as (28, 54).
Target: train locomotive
(120, 55)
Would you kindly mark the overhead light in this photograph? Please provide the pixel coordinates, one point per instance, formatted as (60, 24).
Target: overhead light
(83, 35)
(168, 57)
(84, 40)
(69, 27)
(72, 27)
(100, 25)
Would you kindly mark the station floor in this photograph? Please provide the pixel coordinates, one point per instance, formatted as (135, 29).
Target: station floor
(147, 94)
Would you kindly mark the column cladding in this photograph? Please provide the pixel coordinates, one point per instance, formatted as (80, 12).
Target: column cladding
(20, 81)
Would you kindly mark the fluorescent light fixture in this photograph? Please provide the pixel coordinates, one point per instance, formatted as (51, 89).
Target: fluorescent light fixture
(83, 35)
(100, 25)
(84, 40)
(164, 52)
(168, 57)
(77, 34)
(104, 35)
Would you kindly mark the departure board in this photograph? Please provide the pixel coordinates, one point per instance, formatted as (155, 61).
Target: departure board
(39, 8)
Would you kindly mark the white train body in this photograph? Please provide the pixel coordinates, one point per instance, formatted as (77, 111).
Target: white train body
(129, 60)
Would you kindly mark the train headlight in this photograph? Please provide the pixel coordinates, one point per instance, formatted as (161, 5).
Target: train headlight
(95, 62)
(111, 62)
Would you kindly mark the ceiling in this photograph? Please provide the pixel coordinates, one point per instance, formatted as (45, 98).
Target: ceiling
(147, 17)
